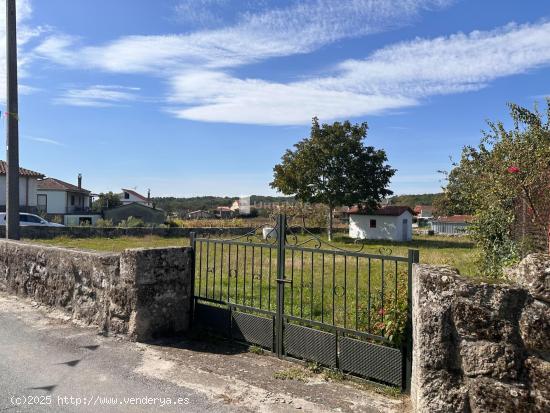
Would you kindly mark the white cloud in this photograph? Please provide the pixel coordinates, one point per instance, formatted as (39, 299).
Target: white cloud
(457, 63)
(392, 77)
(24, 34)
(98, 96)
(199, 66)
(201, 12)
(299, 28)
(44, 140)
(217, 97)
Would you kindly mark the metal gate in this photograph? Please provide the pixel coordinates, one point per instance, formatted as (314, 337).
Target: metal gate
(343, 309)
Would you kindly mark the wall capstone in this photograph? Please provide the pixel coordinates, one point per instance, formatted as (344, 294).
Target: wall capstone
(481, 347)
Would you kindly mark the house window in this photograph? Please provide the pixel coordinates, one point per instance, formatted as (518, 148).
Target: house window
(72, 199)
(42, 202)
(372, 223)
(126, 195)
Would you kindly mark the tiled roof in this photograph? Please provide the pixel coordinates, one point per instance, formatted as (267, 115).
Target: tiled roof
(134, 193)
(419, 208)
(388, 210)
(53, 184)
(22, 171)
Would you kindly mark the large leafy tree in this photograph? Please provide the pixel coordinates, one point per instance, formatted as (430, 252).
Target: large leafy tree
(509, 168)
(334, 167)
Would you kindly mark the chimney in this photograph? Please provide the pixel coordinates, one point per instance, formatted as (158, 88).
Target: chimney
(148, 195)
(79, 181)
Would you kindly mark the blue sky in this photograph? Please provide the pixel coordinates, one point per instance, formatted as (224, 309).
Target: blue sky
(197, 97)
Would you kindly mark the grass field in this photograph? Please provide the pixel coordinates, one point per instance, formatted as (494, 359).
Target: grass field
(458, 252)
(356, 292)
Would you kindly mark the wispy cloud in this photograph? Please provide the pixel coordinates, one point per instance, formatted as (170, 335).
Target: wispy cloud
(216, 97)
(299, 28)
(98, 96)
(43, 140)
(200, 67)
(25, 33)
(201, 13)
(393, 77)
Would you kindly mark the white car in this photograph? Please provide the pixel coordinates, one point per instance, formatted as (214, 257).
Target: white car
(30, 220)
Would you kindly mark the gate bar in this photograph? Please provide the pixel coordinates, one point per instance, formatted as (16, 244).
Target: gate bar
(281, 236)
(413, 258)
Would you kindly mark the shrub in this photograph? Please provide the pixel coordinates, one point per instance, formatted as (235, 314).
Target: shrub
(104, 223)
(131, 222)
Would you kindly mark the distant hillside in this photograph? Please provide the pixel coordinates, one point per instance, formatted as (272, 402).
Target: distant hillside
(412, 200)
(184, 205)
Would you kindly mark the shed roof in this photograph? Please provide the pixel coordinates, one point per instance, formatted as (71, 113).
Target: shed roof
(22, 171)
(388, 210)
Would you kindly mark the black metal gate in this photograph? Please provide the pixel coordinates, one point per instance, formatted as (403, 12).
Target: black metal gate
(347, 310)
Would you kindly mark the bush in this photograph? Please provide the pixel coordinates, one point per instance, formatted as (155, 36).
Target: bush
(104, 223)
(131, 222)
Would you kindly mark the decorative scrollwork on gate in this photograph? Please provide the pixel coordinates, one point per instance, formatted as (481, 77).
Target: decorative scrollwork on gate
(315, 241)
(339, 291)
(385, 251)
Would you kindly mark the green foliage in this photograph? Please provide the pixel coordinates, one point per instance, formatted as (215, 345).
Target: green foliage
(334, 167)
(413, 200)
(293, 373)
(104, 223)
(131, 222)
(106, 201)
(508, 168)
(56, 219)
(182, 206)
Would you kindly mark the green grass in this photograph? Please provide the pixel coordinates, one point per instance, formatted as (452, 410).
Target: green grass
(458, 252)
(356, 293)
(113, 244)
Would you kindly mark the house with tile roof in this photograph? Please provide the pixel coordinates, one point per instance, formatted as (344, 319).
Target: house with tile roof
(72, 202)
(55, 196)
(129, 196)
(28, 182)
(390, 222)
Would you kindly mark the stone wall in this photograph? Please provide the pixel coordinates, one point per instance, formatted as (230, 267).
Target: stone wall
(142, 293)
(90, 232)
(482, 347)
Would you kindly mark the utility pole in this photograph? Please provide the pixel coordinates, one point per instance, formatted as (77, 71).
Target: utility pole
(12, 139)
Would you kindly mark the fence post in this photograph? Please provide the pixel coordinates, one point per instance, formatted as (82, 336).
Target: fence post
(413, 258)
(281, 239)
(192, 242)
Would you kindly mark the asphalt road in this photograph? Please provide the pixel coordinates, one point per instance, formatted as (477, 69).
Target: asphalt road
(47, 367)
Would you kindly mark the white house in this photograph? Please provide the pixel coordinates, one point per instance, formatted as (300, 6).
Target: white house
(56, 197)
(129, 196)
(390, 222)
(27, 188)
(424, 211)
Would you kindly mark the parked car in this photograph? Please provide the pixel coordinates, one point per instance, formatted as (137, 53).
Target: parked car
(30, 220)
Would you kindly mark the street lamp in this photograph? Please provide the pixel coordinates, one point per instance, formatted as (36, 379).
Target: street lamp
(12, 138)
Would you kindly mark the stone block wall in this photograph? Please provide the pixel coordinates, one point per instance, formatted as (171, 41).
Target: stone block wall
(482, 347)
(141, 293)
(29, 232)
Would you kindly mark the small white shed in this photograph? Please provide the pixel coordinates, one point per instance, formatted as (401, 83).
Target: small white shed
(390, 222)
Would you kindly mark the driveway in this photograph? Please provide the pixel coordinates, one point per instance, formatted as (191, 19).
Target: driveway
(49, 364)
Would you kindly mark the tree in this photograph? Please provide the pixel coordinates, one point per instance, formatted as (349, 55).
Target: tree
(509, 168)
(334, 167)
(106, 201)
